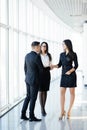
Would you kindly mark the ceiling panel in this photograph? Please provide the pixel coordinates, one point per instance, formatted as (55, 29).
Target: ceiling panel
(72, 12)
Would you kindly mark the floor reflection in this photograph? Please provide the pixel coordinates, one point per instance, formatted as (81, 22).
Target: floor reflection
(78, 121)
(62, 125)
(23, 125)
(43, 125)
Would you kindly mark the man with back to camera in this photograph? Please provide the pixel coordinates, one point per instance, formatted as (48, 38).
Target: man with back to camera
(33, 68)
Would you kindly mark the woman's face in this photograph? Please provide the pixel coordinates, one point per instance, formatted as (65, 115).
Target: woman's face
(64, 46)
(43, 47)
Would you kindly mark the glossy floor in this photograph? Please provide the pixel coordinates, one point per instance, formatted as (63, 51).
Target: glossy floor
(78, 121)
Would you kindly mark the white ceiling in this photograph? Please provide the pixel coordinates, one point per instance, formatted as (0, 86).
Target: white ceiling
(72, 12)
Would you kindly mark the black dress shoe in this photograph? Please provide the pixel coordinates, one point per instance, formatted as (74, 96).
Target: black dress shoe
(34, 119)
(24, 118)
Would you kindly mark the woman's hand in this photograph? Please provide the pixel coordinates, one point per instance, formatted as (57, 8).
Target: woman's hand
(68, 73)
(51, 67)
(55, 66)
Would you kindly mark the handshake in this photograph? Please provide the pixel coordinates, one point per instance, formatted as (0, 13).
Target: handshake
(53, 66)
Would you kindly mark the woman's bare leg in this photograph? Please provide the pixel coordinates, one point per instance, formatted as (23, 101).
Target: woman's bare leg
(62, 99)
(72, 98)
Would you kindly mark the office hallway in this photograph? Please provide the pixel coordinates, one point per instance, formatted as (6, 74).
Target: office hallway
(53, 21)
(78, 121)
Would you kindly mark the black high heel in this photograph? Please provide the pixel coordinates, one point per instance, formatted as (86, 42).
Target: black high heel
(44, 113)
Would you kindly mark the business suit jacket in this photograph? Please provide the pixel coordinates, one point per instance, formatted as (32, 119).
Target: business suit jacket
(33, 68)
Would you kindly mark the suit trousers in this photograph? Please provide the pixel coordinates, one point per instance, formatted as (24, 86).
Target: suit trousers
(31, 96)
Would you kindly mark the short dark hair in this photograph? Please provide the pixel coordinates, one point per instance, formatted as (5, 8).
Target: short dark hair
(35, 43)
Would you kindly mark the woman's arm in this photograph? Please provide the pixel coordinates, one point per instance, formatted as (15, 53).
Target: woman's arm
(75, 65)
(59, 64)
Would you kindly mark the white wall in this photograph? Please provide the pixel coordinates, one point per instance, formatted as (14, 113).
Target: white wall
(84, 54)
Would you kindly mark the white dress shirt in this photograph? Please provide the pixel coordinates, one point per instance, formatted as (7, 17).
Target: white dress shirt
(45, 60)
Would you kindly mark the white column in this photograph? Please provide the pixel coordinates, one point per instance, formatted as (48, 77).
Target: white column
(85, 53)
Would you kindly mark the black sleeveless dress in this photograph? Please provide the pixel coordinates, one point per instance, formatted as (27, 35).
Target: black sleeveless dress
(66, 62)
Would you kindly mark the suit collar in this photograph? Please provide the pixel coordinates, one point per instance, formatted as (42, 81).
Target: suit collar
(34, 52)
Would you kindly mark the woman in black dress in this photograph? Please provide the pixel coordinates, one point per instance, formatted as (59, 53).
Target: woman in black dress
(68, 77)
(45, 77)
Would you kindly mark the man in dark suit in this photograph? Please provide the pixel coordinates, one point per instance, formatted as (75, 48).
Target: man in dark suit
(33, 68)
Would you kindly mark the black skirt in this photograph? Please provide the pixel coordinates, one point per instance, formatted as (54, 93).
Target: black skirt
(68, 80)
(45, 81)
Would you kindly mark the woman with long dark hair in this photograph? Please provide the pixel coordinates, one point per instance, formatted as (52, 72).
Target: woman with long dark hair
(45, 77)
(68, 77)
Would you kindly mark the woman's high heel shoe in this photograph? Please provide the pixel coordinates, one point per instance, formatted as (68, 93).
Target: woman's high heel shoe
(68, 116)
(62, 115)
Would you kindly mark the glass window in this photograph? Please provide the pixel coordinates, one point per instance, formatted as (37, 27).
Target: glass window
(13, 66)
(4, 11)
(41, 24)
(52, 30)
(29, 17)
(56, 36)
(29, 41)
(11, 13)
(59, 33)
(15, 13)
(22, 53)
(16, 65)
(4, 67)
(36, 21)
(22, 15)
(46, 28)
(48, 34)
